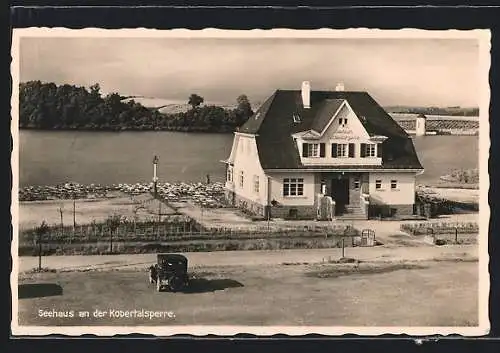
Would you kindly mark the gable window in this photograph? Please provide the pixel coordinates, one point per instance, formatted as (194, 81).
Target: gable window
(343, 121)
(229, 176)
(394, 184)
(241, 179)
(256, 184)
(313, 150)
(378, 184)
(342, 150)
(293, 187)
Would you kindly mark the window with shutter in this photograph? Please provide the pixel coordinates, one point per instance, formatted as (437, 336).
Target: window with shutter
(351, 150)
(363, 150)
(342, 150)
(321, 149)
(334, 150)
(310, 150)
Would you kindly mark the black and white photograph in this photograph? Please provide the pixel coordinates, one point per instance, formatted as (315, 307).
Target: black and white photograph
(261, 181)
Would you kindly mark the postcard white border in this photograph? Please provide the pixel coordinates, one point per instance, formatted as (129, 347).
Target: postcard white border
(483, 38)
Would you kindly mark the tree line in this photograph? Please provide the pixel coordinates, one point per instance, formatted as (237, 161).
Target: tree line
(49, 106)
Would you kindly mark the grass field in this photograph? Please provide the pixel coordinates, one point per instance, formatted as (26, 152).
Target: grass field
(411, 293)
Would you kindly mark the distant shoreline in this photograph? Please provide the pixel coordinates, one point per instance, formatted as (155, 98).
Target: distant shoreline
(132, 129)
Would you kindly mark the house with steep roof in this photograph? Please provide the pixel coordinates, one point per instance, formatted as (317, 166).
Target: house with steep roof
(322, 154)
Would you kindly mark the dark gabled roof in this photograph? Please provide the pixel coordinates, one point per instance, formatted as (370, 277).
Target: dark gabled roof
(328, 108)
(274, 125)
(252, 125)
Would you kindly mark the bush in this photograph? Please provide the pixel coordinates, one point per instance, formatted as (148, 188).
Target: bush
(423, 228)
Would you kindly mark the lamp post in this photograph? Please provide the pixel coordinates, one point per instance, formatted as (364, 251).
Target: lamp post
(155, 177)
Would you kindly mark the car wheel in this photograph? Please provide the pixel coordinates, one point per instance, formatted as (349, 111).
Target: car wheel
(175, 283)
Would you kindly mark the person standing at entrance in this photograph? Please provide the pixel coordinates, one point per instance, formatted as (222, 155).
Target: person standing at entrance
(323, 187)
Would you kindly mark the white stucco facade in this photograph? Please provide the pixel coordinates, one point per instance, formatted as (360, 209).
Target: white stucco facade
(309, 191)
(343, 141)
(245, 166)
(402, 194)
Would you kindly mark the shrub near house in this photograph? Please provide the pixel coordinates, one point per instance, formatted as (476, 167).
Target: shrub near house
(302, 146)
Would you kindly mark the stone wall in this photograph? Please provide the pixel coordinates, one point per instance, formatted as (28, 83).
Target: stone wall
(390, 210)
(290, 212)
(402, 210)
(249, 205)
(280, 211)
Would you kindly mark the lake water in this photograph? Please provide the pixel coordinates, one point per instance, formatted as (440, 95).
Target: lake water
(52, 157)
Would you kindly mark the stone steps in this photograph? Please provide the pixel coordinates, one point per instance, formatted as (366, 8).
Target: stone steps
(351, 217)
(353, 212)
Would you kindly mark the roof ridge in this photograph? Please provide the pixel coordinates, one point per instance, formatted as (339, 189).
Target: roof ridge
(258, 117)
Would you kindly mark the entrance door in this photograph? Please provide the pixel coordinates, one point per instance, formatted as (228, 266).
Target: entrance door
(340, 193)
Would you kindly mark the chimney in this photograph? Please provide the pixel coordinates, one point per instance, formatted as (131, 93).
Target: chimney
(306, 94)
(339, 87)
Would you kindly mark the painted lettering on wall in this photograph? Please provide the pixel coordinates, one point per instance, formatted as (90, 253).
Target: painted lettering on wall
(344, 133)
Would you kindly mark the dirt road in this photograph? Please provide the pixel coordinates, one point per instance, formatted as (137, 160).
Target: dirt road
(429, 293)
(247, 258)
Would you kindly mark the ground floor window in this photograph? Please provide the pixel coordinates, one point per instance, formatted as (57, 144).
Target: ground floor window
(378, 184)
(394, 184)
(242, 177)
(293, 187)
(256, 185)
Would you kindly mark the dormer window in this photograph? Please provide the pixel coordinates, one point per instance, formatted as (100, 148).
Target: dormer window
(370, 150)
(296, 118)
(313, 150)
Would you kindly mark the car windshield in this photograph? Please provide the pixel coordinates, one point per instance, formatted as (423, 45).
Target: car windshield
(175, 263)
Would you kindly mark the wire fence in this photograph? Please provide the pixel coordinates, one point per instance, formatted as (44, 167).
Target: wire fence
(184, 230)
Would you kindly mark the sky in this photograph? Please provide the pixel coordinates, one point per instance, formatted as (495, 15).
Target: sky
(423, 72)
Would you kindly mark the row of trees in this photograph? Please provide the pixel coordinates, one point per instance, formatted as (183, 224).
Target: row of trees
(48, 106)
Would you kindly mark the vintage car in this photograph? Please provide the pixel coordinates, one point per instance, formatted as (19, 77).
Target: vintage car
(171, 272)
